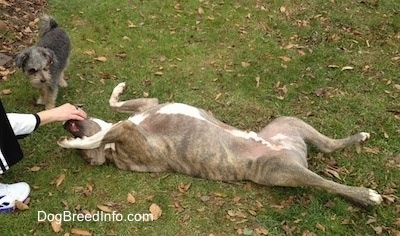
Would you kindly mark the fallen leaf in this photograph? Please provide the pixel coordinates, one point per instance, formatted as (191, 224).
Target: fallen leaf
(217, 96)
(158, 73)
(6, 91)
(200, 10)
(155, 210)
(285, 58)
(21, 206)
(131, 25)
(80, 232)
(102, 59)
(245, 64)
(257, 81)
(56, 224)
(60, 179)
(372, 150)
(105, 208)
(320, 227)
(183, 188)
(35, 168)
(347, 68)
(130, 198)
(334, 173)
(333, 66)
(89, 52)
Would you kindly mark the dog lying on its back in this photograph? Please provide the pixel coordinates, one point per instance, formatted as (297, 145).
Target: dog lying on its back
(45, 63)
(179, 138)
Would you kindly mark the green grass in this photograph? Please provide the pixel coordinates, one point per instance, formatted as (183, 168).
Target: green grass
(212, 60)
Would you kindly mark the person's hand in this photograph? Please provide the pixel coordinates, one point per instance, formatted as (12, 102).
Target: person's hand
(62, 113)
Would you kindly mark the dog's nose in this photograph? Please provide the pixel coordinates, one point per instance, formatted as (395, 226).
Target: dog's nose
(43, 80)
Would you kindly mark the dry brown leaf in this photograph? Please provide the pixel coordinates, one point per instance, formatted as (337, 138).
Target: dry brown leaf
(333, 66)
(347, 68)
(183, 188)
(158, 73)
(320, 227)
(60, 179)
(21, 206)
(89, 52)
(200, 10)
(56, 224)
(80, 232)
(131, 25)
(372, 150)
(282, 9)
(105, 208)
(217, 96)
(155, 210)
(130, 198)
(257, 81)
(245, 64)
(334, 173)
(102, 59)
(285, 58)
(6, 91)
(35, 168)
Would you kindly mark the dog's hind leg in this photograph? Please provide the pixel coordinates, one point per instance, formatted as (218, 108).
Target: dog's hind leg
(281, 171)
(129, 106)
(290, 126)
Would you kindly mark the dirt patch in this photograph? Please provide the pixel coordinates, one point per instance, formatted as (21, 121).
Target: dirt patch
(18, 27)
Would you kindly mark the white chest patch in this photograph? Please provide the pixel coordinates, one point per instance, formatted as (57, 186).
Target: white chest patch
(285, 141)
(137, 119)
(182, 109)
(254, 136)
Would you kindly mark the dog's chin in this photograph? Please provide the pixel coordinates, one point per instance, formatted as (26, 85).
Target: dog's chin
(38, 83)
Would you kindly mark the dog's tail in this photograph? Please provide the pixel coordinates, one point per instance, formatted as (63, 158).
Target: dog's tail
(46, 24)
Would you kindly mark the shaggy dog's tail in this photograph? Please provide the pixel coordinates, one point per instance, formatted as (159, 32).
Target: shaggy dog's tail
(46, 24)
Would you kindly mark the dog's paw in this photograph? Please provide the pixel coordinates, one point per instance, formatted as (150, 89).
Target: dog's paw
(119, 89)
(375, 197)
(63, 83)
(40, 101)
(364, 136)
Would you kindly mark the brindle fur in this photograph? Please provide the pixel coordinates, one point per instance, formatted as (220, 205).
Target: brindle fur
(180, 143)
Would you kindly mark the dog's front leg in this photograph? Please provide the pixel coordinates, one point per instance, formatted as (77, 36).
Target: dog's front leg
(129, 106)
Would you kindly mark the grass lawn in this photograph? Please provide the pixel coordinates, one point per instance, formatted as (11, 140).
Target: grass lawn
(334, 64)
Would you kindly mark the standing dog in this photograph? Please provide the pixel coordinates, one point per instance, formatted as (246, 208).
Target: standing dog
(45, 63)
(179, 138)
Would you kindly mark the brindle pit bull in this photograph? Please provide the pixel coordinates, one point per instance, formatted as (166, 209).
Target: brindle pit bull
(179, 138)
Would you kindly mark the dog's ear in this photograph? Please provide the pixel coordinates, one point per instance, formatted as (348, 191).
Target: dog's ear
(21, 58)
(49, 54)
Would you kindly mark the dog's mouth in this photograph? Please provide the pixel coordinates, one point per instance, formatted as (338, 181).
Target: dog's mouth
(72, 127)
(81, 128)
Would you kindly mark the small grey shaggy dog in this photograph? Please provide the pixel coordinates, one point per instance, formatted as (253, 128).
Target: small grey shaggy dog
(44, 64)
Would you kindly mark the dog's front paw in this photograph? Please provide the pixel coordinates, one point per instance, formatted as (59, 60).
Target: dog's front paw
(364, 136)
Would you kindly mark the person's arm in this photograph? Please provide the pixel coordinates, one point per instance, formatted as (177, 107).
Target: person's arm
(24, 124)
(62, 113)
